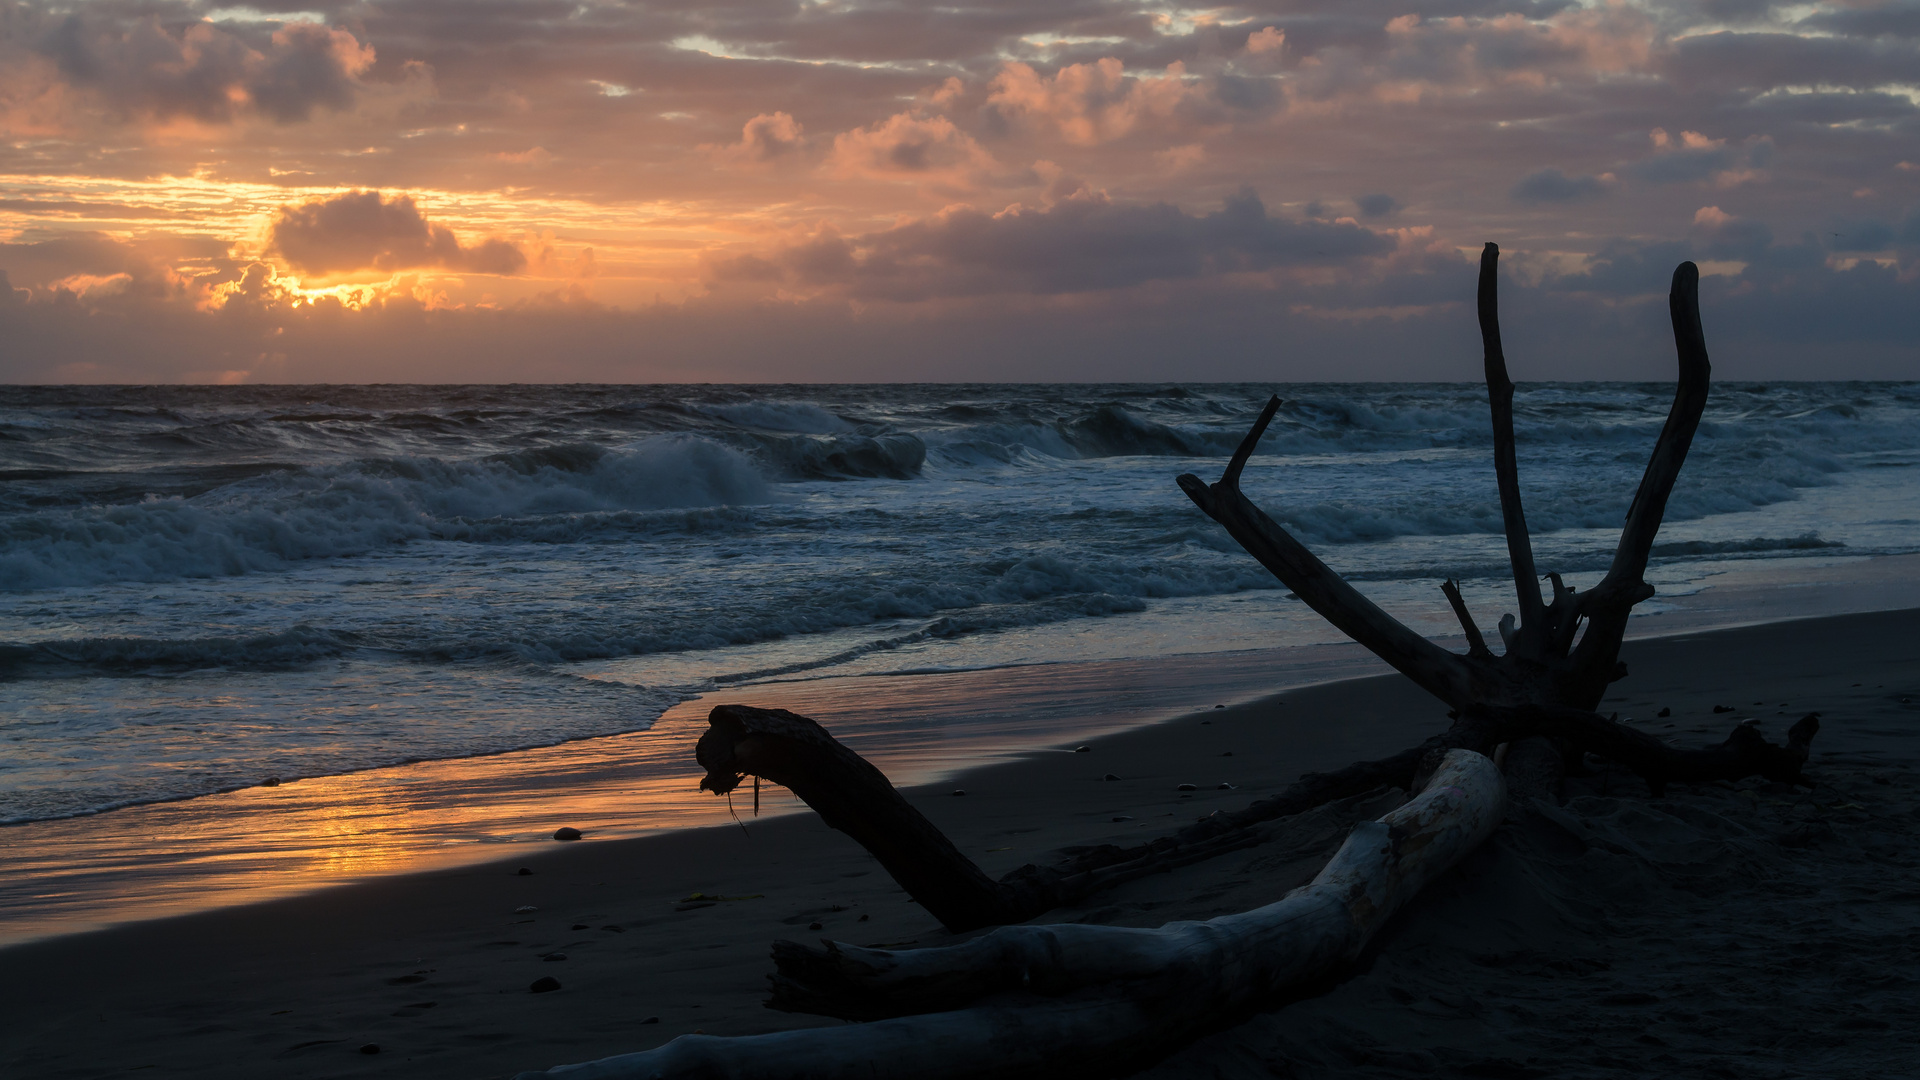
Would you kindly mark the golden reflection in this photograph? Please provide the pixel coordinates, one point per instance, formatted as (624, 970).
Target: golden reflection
(262, 842)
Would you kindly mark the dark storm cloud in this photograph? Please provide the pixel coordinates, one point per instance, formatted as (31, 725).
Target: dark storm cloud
(364, 230)
(1079, 245)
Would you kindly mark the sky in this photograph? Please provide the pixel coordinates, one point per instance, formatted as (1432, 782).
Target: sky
(977, 190)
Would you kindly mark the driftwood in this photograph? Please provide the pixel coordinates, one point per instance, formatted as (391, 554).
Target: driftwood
(1535, 697)
(851, 795)
(1074, 999)
(1089, 1000)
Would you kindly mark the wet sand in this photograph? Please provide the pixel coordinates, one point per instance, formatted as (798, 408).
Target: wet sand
(1727, 930)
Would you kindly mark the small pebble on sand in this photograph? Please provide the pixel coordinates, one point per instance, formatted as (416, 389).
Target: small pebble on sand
(544, 984)
(274, 781)
(524, 872)
(1083, 749)
(1109, 776)
(816, 926)
(1186, 787)
(959, 791)
(651, 1020)
(1122, 817)
(370, 1048)
(525, 909)
(566, 832)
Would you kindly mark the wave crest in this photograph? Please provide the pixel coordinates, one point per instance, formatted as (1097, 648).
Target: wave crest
(354, 509)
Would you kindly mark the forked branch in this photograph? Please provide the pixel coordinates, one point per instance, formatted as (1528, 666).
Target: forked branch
(1547, 659)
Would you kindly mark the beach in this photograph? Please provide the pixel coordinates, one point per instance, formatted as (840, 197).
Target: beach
(1727, 929)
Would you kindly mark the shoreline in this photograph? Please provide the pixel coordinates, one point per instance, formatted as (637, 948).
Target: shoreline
(248, 845)
(296, 985)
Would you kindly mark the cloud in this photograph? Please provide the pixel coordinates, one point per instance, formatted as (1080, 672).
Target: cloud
(1081, 244)
(1377, 205)
(144, 68)
(765, 138)
(1111, 108)
(363, 230)
(1761, 61)
(1550, 185)
(1266, 40)
(906, 146)
(1861, 235)
(1092, 103)
(1725, 236)
(1693, 158)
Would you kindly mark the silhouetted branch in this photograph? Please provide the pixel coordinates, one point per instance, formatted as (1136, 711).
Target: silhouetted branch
(1526, 583)
(1439, 671)
(1608, 604)
(1476, 645)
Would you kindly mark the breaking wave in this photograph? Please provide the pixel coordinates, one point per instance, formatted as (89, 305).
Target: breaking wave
(301, 514)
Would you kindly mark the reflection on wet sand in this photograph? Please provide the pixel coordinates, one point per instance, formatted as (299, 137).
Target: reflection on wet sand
(170, 858)
(261, 842)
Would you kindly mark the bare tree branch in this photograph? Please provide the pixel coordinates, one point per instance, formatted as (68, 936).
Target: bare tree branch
(852, 796)
(1441, 673)
(1476, 645)
(1608, 604)
(1529, 641)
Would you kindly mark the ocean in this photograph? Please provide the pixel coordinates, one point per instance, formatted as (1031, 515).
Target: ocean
(204, 587)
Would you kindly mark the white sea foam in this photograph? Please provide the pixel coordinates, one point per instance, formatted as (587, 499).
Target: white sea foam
(343, 510)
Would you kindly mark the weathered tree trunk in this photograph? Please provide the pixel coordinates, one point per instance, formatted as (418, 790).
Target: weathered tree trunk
(851, 795)
(1078, 1000)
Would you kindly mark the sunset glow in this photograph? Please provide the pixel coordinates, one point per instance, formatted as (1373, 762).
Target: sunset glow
(635, 192)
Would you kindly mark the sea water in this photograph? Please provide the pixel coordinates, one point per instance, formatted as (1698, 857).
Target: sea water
(201, 588)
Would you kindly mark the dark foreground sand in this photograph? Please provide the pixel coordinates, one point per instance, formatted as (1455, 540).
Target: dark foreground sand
(1729, 930)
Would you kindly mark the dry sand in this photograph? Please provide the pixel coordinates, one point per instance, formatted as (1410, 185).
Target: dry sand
(1728, 930)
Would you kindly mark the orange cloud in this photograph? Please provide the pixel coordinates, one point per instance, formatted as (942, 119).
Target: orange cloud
(363, 230)
(765, 138)
(909, 147)
(1091, 103)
